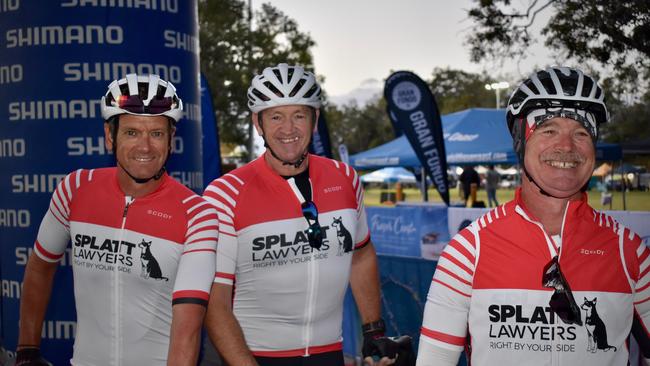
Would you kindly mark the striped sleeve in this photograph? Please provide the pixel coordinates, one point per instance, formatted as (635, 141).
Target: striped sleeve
(54, 232)
(362, 231)
(446, 312)
(196, 267)
(640, 273)
(222, 194)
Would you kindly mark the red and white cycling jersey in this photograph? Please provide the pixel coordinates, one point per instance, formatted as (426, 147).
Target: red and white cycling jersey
(132, 259)
(288, 296)
(487, 291)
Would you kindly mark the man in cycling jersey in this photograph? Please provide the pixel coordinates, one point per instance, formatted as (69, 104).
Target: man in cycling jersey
(544, 279)
(293, 234)
(143, 245)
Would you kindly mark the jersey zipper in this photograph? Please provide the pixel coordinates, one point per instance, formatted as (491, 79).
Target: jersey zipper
(555, 356)
(312, 278)
(128, 200)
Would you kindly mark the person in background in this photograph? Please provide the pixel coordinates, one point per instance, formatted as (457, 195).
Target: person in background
(468, 177)
(143, 244)
(543, 279)
(492, 178)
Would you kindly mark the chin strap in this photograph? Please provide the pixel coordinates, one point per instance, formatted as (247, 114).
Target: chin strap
(296, 164)
(156, 176)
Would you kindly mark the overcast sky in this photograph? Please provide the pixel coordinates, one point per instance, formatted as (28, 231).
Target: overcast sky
(358, 40)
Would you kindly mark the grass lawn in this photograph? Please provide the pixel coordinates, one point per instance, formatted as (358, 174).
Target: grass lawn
(635, 200)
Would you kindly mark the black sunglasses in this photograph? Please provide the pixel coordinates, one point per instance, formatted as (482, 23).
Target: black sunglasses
(562, 302)
(314, 231)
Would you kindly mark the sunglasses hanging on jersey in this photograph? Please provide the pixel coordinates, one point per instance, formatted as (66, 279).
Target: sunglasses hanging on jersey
(562, 302)
(310, 213)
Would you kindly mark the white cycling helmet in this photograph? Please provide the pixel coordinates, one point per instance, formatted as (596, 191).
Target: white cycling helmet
(142, 95)
(283, 85)
(556, 91)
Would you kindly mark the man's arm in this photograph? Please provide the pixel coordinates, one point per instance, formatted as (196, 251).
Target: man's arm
(37, 288)
(224, 330)
(364, 282)
(185, 334)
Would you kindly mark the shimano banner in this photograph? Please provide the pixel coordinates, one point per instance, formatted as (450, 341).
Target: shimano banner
(320, 141)
(211, 148)
(56, 61)
(412, 105)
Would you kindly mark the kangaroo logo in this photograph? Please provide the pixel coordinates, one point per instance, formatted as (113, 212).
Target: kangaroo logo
(343, 235)
(596, 331)
(150, 266)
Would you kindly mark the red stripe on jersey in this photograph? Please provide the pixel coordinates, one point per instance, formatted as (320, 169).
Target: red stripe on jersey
(363, 242)
(46, 253)
(205, 228)
(645, 272)
(462, 250)
(456, 262)
(65, 204)
(190, 293)
(225, 233)
(452, 274)
(199, 250)
(468, 236)
(644, 255)
(59, 220)
(443, 337)
(450, 287)
(301, 351)
(230, 276)
(643, 288)
(642, 301)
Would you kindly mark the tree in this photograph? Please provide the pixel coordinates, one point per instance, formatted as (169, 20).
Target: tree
(231, 55)
(359, 128)
(456, 90)
(613, 33)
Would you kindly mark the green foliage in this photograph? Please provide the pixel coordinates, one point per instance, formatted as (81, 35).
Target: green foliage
(359, 128)
(456, 90)
(614, 33)
(231, 55)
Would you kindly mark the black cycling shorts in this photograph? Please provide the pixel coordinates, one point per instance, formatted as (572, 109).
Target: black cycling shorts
(334, 358)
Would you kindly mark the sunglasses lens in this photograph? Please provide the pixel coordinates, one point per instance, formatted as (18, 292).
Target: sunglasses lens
(314, 232)
(562, 302)
(133, 104)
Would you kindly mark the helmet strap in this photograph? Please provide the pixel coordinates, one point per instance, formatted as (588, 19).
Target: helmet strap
(296, 164)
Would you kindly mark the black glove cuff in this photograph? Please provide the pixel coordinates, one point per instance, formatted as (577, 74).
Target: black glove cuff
(27, 354)
(376, 327)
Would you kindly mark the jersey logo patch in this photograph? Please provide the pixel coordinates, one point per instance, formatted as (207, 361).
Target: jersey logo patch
(343, 236)
(150, 266)
(596, 331)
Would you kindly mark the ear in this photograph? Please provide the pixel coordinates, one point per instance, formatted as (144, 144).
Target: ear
(108, 138)
(595, 298)
(586, 299)
(256, 122)
(316, 121)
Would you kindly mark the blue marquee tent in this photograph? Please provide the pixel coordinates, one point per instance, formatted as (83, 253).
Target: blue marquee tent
(472, 136)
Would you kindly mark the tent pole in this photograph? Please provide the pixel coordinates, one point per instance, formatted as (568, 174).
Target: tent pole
(623, 185)
(425, 191)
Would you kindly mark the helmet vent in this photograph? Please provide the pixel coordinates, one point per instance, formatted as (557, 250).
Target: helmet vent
(273, 89)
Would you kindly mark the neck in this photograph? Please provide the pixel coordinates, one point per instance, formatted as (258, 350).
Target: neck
(285, 170)
(546, 209)
(133, 189)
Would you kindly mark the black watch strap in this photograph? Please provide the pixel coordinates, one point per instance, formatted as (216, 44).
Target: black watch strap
(374, 327)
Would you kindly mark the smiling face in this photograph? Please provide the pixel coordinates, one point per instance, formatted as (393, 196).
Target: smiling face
(142, 144)
(560, 157)
(287, 130)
